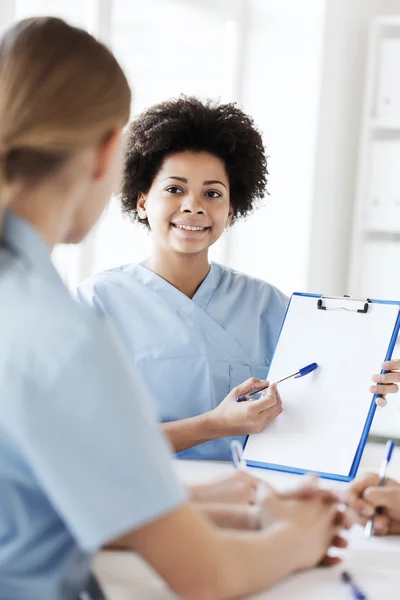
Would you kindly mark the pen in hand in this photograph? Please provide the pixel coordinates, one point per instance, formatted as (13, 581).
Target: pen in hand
(297, 374)
(369, 528)
(240, 465)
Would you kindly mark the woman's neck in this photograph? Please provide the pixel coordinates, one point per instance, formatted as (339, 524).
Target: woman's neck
(186, 272)
(47, 211)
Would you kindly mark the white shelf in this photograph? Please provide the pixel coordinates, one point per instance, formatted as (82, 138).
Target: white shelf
(390, 21)
(381, 125)
(375, 251)
(392, 234)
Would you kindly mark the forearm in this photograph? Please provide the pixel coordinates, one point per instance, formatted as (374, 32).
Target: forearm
(186, 433)
(206, 563)
(254, 562)
(224, 516)
(227, 516)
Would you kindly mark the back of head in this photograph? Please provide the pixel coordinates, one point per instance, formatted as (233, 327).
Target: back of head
(60, 91)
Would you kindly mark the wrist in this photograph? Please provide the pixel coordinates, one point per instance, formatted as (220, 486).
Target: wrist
(215, 424)
(292, 542)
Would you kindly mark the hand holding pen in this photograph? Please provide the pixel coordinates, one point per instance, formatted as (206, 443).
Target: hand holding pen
(296, 375)
(369, 528)
(231, 418)
(365, 496)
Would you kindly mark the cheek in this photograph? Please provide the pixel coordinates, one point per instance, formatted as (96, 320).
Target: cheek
(220, 217)
(159, 213)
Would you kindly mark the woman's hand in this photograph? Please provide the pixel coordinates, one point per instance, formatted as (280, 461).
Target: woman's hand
(364, 497)
(387, 382)
(238, 488)
(250, 416)
(315, 520)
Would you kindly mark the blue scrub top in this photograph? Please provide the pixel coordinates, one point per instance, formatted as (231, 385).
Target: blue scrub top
(82, 459)
(191, 352)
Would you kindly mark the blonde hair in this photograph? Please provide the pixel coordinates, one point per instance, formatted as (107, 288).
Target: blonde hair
(60, 91)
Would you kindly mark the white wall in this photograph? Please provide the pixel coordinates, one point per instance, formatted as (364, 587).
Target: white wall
(6, 14)
(281, 91)
(345, 50)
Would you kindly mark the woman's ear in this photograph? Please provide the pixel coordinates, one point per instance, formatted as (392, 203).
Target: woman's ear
(106, 153)
(230, 216)
(141, 206)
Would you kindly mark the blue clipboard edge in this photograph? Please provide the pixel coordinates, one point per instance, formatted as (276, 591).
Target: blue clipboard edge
(370, 417)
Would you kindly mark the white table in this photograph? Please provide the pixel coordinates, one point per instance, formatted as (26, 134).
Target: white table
(375, 564)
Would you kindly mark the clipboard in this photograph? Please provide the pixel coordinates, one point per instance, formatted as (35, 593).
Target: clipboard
(326, 415)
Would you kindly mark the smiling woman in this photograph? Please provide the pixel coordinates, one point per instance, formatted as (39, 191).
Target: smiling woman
(195, 330)
(188, 205)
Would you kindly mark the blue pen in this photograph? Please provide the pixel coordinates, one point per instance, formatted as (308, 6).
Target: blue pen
(300, 373)
(240, 465)
(369, 528)
(357, 593)
(237, 455)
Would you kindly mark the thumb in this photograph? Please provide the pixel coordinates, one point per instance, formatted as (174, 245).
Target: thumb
(387, 497)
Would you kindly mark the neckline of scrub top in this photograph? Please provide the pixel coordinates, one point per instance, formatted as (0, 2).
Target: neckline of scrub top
(203, 294)
(22, 239)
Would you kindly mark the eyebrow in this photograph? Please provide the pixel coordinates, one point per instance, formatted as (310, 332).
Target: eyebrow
(214, 181)
(184, 180)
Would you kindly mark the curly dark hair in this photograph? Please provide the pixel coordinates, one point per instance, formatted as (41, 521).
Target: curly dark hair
(187, 123)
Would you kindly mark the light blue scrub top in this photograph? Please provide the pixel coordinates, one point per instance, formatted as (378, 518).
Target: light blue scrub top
(82, 459)
(191, 352)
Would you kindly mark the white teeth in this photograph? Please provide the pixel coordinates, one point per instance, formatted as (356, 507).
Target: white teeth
(187, 228)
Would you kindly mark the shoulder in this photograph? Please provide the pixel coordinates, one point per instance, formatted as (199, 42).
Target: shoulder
(241, 282)
(111, 278)
(42, 326)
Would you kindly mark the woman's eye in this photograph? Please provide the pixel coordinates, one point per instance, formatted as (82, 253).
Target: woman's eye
(173, 189)
(213, 194)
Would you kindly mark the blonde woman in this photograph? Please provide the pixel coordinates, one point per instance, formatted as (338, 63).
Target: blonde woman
(82, 460)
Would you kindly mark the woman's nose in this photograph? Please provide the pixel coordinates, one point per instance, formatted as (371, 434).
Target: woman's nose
(192, 205)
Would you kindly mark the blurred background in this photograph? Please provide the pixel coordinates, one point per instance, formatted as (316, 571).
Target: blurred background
(321, 79)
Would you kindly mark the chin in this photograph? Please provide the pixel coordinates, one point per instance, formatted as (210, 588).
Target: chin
(189, 248)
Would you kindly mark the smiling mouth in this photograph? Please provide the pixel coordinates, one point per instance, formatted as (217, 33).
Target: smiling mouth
(189, 227)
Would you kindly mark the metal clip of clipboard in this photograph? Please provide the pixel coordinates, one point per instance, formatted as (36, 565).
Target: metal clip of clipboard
(364, 301)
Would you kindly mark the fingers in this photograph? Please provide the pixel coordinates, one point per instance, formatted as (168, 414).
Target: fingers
(245, 477)
(391, 377)
(359, 486)
(394, 528)
(270, 415)
(339, 542)
(392, 365)
(267, 401)
(330, 561)
(388, 381)
(387, 497)
(389, 388)
(343, 520)
(381, 401)
(362, 508)
(339, 520)
(381, 525)
(308, 488)
(248, 385)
